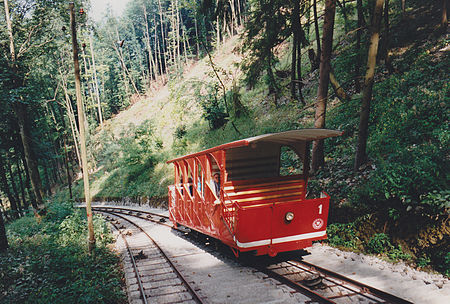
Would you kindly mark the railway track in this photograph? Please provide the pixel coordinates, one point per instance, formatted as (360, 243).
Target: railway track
(157, 279)
(318, 284)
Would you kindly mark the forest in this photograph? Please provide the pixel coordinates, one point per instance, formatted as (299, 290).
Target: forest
(171, 77)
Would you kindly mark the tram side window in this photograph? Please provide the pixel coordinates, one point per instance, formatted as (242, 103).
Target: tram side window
(215, 176)
(179, 179)
(200, 179)
(190, 181)
(290, 162)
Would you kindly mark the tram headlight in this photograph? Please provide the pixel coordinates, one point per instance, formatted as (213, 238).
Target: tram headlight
(289, 216)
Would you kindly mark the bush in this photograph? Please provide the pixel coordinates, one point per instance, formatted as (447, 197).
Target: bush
(379, 243)
(342, 235)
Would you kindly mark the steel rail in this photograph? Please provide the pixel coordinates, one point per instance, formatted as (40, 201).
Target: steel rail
(135, 269)
(118, 209)
(195, 295)
(363, 287)
(295, 285)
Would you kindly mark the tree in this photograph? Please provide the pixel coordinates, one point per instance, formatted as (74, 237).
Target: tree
(82, 129)
(322, 92)
(361, 154)
(3, 238)
(444, 20)
(30, 28)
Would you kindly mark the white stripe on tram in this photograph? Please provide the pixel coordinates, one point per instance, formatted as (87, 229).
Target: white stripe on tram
(291, 238)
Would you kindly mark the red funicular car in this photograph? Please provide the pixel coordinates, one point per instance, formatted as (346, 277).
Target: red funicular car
(258, 201)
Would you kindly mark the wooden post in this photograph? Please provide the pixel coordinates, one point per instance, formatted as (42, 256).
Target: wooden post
(82, 129)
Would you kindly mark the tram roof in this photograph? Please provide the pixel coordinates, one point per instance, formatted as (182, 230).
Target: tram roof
(286, 138)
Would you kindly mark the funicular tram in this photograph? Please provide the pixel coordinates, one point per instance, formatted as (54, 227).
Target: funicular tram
(238, 193)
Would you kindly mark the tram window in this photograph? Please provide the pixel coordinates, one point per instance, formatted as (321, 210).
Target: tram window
(215, 170)
(190, 181)
(290, 162)
(200, 178)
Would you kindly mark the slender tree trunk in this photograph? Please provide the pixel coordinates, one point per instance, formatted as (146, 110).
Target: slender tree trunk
(5, 189)
(158, 48)
(338, 90)
(14, 189)
(35, 178)
(87, 194)
(358, 46)
(21, 184)
(151, 62)
(97, 91)
(178, 31)
(444, 21)
(299, 72)
(3, 238)
(322, 92)
(72, 121)
(316, 27)
(361, 156)
(127, 73)
(66, 160)
(217, 32)
(163, 39)
(386, 39)
(196, 37)
(295, 20)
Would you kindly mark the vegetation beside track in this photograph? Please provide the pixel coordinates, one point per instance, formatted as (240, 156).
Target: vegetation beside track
(48, 260)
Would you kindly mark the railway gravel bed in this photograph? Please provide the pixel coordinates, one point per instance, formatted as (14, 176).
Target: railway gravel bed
(210, 272)
(216, 279)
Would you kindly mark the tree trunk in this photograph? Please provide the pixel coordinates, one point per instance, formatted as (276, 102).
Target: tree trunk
(344, 14)
(158, 48)
(322, 92)
(358, 45)
(14, 189)
(386, 34)
(3, 238)
(338, 90)
(300, 41)
(97, 91)
(163, 39)
(361, 156)
(66, 160)
(5, 189)
(127, 73)
(35, 178)
(316, 27)
(295, 21)
(444, 21)
(87, 194)
(22, 186)
(196, 37)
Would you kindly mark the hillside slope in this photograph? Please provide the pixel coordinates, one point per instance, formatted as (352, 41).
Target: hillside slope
(404, 184)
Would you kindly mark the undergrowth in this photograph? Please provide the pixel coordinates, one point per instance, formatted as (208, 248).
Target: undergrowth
(48, 262)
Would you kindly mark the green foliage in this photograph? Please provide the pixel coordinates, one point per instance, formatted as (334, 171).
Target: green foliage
(423, 261)
(342, 235)
(397, 254)
(379, 243)
(443, 262)
(213, 106)
(436, 202)
(48, 261)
